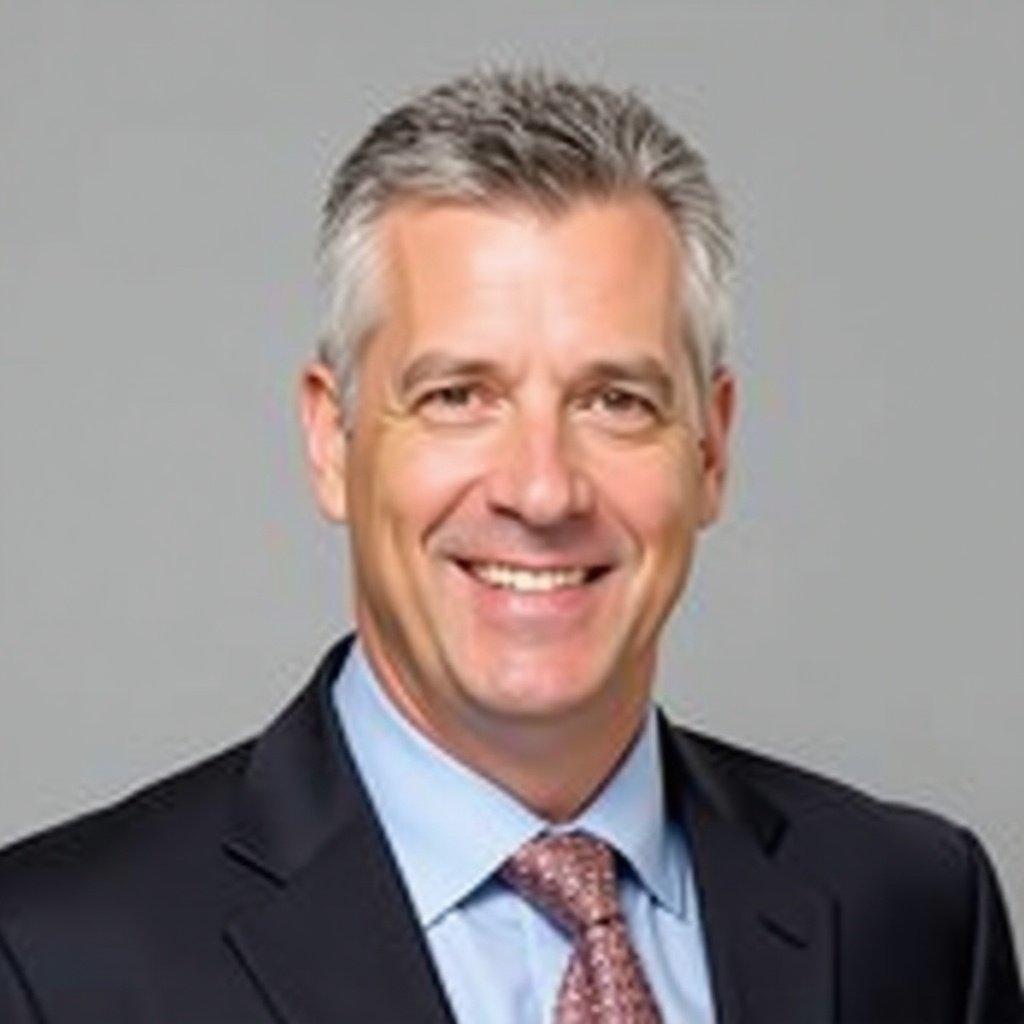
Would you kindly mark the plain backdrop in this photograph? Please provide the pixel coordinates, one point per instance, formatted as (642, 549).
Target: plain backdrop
(165, 584)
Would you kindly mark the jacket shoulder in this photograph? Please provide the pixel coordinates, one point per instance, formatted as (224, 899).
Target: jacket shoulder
(172, 826)
(864, 849)
(803, 794)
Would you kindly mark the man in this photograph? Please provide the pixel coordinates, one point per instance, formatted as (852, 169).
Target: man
(521, 410)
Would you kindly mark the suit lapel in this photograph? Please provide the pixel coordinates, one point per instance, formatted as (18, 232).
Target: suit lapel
(334, 938)
(339, 943)
(769, 932)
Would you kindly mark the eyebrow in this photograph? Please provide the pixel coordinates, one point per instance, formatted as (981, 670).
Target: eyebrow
(434, 364)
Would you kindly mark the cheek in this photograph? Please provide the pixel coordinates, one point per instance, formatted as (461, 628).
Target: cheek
(415, 484)
(655, 495)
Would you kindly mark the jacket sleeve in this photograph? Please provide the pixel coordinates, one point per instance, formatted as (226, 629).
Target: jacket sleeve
(16, 1003)
(994, 996)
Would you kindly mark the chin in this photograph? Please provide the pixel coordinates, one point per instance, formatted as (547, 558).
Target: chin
(535, 687)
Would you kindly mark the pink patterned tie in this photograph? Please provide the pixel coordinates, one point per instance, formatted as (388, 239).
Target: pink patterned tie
(571, 878)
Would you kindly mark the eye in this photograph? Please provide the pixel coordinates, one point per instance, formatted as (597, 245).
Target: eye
(455, 402)
(622, 408)
(620, 401)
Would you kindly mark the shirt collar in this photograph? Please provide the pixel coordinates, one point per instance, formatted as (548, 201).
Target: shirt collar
(450, 829)
(629, 814)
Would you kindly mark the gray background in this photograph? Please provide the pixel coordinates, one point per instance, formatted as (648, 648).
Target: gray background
(164, 582)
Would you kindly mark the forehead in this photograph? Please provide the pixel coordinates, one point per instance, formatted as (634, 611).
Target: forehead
(603, 264)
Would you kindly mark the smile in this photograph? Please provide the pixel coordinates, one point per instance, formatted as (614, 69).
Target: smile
(529, 581)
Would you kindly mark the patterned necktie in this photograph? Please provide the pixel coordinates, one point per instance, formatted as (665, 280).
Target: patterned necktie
(571, 879)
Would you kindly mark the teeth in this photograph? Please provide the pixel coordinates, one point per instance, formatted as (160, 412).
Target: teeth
(530, 581)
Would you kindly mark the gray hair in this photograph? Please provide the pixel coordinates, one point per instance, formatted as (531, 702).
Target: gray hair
(532, 138)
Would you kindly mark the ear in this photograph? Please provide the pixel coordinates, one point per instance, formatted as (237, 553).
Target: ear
(326, 441)
(718, 418)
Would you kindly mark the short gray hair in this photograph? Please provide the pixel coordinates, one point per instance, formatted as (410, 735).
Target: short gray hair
(526, 137)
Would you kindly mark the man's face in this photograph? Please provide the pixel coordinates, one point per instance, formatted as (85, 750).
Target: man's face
(527, 467)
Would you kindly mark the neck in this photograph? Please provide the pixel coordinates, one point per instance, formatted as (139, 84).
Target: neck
(554, 768)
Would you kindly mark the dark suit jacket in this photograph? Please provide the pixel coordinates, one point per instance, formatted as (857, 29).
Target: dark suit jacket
(258, 887)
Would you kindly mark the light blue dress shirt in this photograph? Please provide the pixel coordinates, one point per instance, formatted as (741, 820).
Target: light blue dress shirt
(500, 960)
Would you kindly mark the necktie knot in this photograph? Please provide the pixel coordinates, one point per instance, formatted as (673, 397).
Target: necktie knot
(570, 877)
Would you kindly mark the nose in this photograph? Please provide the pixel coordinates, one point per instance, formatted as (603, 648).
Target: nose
(538, 476)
